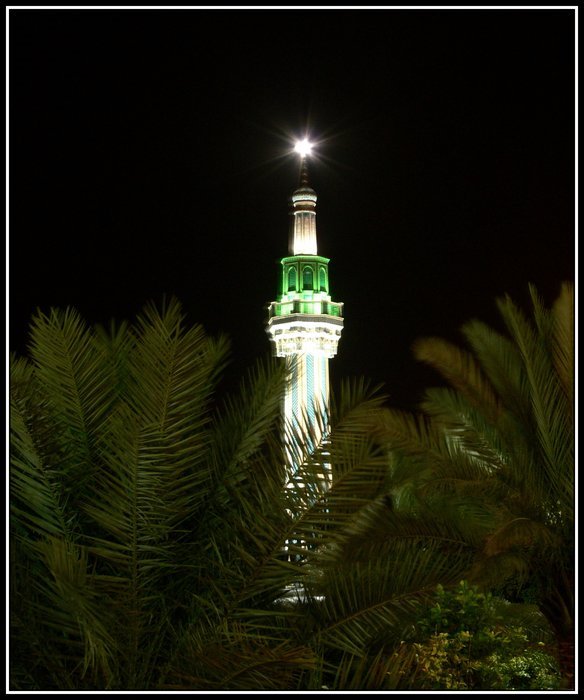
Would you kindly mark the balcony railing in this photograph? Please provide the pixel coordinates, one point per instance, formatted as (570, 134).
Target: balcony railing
(311, 307)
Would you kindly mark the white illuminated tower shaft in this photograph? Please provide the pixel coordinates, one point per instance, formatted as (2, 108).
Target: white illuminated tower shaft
(304, 324)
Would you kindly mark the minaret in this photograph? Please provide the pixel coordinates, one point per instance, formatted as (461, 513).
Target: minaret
(305, 324)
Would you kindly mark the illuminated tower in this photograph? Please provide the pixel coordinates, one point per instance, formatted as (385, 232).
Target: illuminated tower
(305, 324)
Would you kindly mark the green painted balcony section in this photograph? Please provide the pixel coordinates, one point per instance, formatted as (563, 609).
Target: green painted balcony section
(315, 307)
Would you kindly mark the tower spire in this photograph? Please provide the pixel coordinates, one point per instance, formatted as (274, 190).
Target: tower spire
(303, 172)
(303, 240)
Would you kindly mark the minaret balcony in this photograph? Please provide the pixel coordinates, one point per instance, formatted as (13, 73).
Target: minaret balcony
(304, 333)
(311, 307)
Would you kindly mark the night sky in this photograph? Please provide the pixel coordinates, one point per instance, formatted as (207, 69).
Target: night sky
(150, 153)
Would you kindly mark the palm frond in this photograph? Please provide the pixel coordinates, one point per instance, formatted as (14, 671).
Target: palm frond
(356, 405)
(134, 545)
(501, 362)
(563, 340)
(476, 436)
(366, 600)
(522, 533)
(377, 671)
(555, 475)
(242, 423)
(37, 508)
(173, 374)
(236, 661)
(76, 383)
(432, 449)
(359, 467)
(71, 606)
(492, 571)
(174, 369)
(115, 345)
(461, 369)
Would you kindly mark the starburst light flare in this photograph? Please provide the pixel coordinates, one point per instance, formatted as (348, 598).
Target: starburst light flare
(303, 147)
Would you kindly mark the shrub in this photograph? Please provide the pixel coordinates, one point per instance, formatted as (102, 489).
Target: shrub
(468, 640)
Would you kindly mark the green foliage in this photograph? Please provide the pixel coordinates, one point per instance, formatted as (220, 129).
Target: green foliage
(152, 516)
(531, 669)
(462, 609)
(147, 516)
(493, 454)
(157, 540)
(467, 642)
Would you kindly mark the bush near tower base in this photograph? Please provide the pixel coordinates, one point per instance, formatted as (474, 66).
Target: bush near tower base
(466, 643)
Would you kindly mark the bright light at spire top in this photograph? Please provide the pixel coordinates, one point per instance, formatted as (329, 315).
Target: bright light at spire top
(303, 147)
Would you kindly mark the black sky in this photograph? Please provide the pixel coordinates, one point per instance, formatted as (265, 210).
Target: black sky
(150, 154)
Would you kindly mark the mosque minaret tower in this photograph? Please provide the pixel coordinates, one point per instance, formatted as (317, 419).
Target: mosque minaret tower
(304, 323)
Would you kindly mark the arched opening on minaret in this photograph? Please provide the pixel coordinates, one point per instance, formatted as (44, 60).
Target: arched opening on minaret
(292, 279)
(307, 278)
(322, 279)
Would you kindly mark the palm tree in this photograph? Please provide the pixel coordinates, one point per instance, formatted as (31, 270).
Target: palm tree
(143, 511)
(492, 457)
(150, 515)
